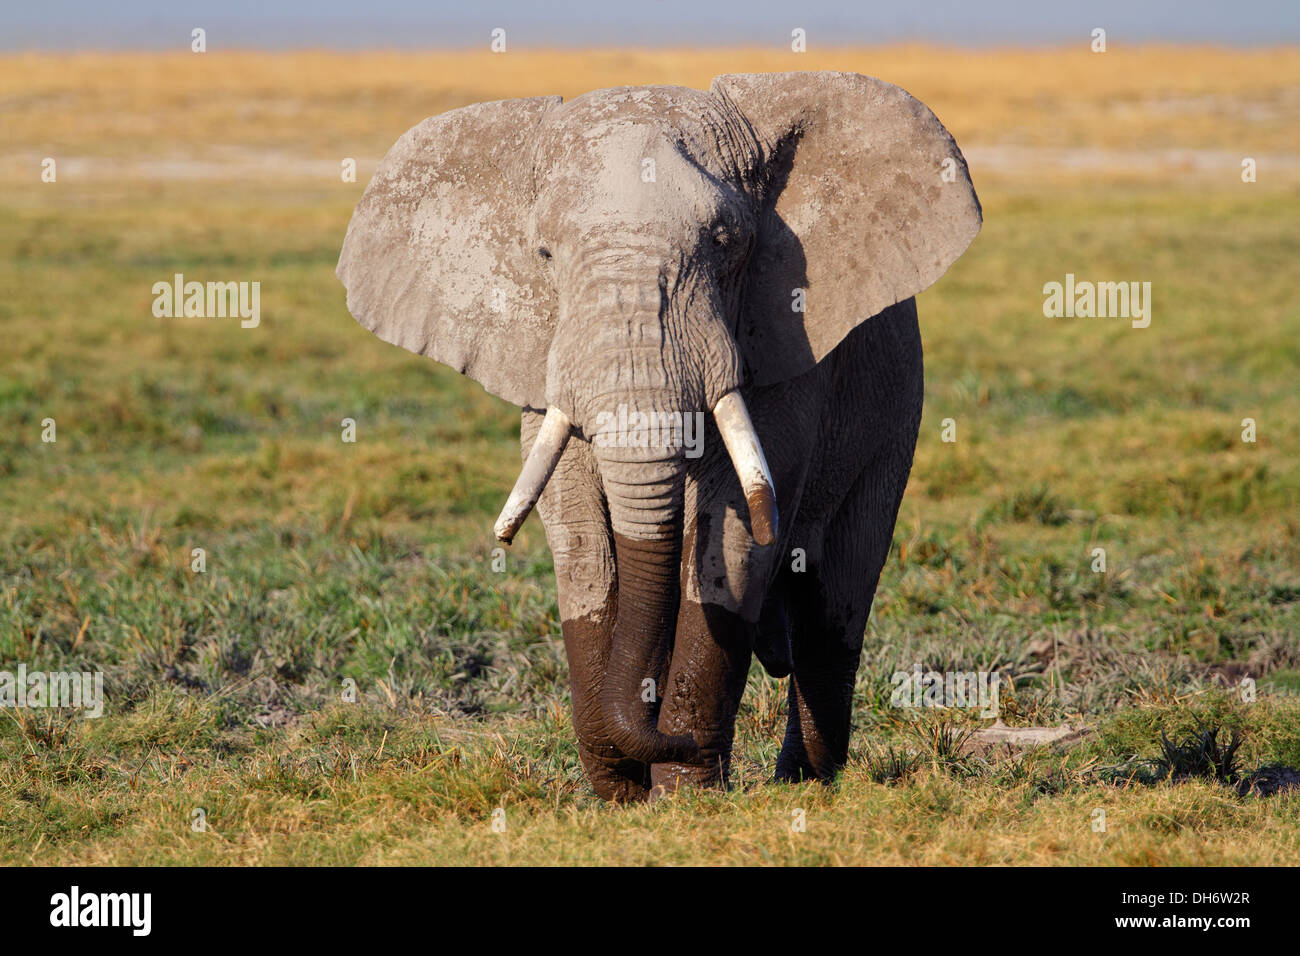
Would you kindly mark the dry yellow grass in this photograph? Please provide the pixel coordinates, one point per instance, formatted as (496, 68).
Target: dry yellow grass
(327, 104)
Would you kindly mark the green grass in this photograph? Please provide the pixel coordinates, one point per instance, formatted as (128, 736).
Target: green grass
(181, 779)
(372, 561)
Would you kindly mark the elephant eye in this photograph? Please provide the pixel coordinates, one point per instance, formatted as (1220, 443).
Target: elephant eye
(544, 252)
(721, 235)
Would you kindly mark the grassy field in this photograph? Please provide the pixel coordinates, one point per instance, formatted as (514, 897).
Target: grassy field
(371, 561)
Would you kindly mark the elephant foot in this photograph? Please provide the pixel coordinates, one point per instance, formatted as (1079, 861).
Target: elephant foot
(808, 755)
(615, 778)
(798, 769)
(620, 790)
(666, 778)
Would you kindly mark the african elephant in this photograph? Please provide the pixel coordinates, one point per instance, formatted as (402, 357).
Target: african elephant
(624, 263)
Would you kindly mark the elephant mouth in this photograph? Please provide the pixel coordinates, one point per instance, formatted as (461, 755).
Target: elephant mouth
(738, 434)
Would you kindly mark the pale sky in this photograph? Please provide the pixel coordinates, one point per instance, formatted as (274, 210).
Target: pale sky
(160, 24)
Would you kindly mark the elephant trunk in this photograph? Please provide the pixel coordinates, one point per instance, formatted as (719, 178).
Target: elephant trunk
(635, 364)
(645, 499)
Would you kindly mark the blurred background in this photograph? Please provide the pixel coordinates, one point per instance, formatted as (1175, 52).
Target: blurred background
(154, 24)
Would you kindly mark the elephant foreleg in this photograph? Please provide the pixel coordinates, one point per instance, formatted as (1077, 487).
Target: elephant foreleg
(706, 679)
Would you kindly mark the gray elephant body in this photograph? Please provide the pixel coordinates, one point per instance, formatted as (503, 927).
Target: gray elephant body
(652, 255)
(840, 439)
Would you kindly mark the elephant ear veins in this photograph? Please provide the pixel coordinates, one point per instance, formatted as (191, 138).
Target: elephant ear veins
(866, 202)
(435, 259)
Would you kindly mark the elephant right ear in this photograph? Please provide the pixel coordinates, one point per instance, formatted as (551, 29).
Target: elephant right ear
(435, 257)
(866, 202)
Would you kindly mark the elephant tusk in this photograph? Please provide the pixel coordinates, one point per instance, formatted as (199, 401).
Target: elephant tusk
(751, 466)
(541, 462)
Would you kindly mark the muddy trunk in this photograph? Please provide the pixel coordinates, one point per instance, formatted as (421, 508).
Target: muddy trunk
(645, 500)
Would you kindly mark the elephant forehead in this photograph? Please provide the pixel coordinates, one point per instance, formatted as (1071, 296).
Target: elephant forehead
(630, 182)
(673, 103)
(693, 122)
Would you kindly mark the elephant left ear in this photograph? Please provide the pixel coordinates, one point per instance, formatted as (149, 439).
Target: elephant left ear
(435, 259)
(866, 201)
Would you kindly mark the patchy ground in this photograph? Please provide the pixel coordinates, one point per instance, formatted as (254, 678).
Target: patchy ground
(371, 562)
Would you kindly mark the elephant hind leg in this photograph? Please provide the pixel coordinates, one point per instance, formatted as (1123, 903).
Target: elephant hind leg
(828, 609)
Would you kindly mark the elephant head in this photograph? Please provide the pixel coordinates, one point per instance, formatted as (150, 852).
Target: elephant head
(649, 251)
